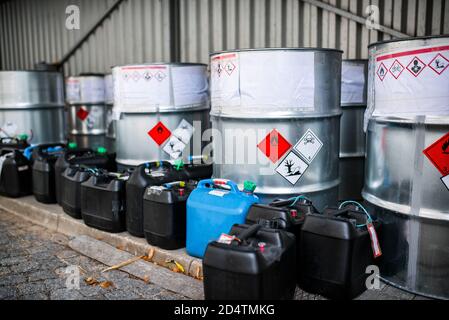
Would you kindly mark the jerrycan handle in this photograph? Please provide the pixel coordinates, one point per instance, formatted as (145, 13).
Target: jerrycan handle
(55, 146)
(252, 230)
(207, 183)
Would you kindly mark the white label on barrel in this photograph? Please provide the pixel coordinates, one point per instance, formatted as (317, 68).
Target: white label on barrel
(92, 89)
(73, 90)
(413, 82)
(174, 147)
(142, 85)
(263, 79)
(8, 129)
(292, 168)
(309, 146)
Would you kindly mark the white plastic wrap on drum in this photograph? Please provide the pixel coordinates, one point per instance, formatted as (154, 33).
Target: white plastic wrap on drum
(352, 83)
(85, 89)
(149, 88)
(412, 81)
(109, 89)
(258, 80)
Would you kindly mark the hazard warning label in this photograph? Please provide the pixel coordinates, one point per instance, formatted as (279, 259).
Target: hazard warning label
(416, 66)
(159, 133)
(439, 63)
(82, 114)
(438, 154)
(396, 69)
(381, 72)
(309, 146)
(445, 181)
(274, 146)
(184, 131)
(174, 147)
(292, 168)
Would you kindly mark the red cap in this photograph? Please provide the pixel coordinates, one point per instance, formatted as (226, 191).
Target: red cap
(294, 213)
(181, 191)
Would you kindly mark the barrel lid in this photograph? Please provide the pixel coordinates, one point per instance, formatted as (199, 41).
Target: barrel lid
(91, 74)
(408, 39)
(277, 49)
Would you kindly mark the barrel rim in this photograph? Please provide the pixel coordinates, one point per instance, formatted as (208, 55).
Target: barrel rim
(408, 39)
(277, 49)
(178, 64)
(91, 74)
(404, 119)
(364, 61)
(30, 71)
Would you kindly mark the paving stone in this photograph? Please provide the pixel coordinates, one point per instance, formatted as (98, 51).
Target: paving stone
(42, 275)
(35, 296)
(7, 292)
(12, 279)
(121, 295)
(31, 288)
(66, 294)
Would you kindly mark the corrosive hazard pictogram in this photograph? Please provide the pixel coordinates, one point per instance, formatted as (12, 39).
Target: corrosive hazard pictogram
(274, 146)
(438, 154)
(82, 114)
(159, 133)
(381, 71)
(396, 69)
(439, 63)
(416, 66)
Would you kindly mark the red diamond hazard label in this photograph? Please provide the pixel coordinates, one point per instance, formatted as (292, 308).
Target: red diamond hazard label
(396, 69)
(438, 154)
(381, 71)
(416, 66)
(439, 63)
(274, 146)
(159, 133)
(82, 114)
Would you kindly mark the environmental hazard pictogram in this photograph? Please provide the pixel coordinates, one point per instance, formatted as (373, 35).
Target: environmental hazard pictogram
(439, 63)
(159, 133)
(438, 154)
(381, 71)
(396, 69)
(82, 114)
(274, 146)
(292, 168)
(416, 66)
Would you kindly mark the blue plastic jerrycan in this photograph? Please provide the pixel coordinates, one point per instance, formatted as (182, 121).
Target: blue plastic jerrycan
(212, 209)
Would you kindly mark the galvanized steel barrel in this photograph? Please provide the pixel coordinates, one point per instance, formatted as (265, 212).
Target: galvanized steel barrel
(354, 75)
(86, 110)
(110, 122)
(276, 121)
(32, 103)
(161, 111)
(407, 169)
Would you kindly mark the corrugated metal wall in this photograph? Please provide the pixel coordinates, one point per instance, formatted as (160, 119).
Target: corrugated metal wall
(139, 30)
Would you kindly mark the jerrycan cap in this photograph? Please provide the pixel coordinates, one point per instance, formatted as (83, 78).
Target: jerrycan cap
(102, 150)
(72, 145)
(249, 186)
(23, 136)
(179, 164)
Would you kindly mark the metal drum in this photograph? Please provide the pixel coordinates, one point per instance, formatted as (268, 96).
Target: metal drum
(161, 111)
(276, 121)
(352, 137)
(110, 122)
(32, 103)
(407, 169)
(86, 110)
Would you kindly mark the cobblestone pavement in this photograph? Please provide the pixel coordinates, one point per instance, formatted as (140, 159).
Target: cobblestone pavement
(34, 260)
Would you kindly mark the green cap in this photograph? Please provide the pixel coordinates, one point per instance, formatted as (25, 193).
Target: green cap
(178, 164)
(72, 145)
(23, 136)
(102, 150)
(249, 186)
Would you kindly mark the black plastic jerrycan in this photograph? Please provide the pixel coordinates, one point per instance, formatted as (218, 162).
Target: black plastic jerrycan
(45, 157)
(80, 156)
(155, 174)
(164, 214)
(251, 263)
(15, 168)
(336, 248)
(71, 181)
(103, 201)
